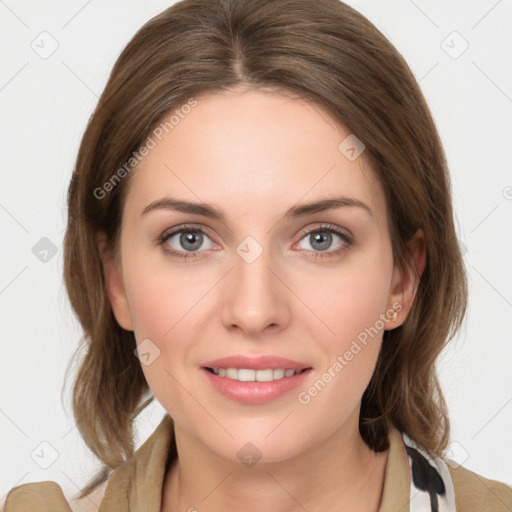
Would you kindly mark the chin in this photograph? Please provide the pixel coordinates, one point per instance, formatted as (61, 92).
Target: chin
(256, 447)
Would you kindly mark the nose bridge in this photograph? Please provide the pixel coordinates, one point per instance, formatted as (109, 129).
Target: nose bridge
(254, 298)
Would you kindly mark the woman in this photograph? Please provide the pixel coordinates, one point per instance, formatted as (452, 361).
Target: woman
(293, 343)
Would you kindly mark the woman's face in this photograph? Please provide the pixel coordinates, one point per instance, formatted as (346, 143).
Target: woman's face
(258, 281)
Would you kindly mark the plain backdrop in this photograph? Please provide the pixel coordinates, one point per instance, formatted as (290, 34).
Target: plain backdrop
(56, 57)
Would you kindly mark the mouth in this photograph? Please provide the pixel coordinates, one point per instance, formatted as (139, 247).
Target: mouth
(252, 375)
(255, 381)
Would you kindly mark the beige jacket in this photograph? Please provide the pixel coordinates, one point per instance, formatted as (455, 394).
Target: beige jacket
(136, 485)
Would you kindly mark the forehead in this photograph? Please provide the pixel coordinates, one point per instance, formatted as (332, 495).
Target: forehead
(250, 152)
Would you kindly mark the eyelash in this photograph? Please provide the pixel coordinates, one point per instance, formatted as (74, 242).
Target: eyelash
(346, 238)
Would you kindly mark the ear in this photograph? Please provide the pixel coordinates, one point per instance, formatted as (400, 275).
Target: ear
(114, 282)
(405, 282)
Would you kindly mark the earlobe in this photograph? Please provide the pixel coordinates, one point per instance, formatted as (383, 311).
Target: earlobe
(114, 283)
(405, 282)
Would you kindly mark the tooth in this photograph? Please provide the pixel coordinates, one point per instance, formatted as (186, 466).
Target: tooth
(251, 375)
(246, 375)
(264, 375)
(232, 373)
(278, 374)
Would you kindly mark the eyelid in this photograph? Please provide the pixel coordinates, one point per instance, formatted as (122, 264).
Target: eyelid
(185, 227)
(327, 227)
(304, 231)
(342, 233)
(169, 233)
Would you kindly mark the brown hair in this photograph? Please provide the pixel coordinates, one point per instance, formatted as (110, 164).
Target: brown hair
(328, 54)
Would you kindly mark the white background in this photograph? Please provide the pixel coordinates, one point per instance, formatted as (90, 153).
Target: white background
(45, 106)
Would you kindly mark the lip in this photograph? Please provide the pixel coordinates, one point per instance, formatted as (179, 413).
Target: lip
(254, 393)
(256, 363)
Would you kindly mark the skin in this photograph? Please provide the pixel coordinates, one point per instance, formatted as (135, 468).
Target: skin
(254, 155)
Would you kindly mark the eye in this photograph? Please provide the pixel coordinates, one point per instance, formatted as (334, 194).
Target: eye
(322, 238)
(184, 242)
(187, 241)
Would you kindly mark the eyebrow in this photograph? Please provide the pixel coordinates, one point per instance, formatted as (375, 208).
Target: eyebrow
(301, 210)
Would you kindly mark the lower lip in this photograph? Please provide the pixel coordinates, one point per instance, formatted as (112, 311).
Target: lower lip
(255, 392)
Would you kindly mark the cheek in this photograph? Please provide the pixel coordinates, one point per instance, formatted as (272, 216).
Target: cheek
(167, 306)
(161, 293)
(153, 311)
(350, 306)
(161, 305)
(350, 299)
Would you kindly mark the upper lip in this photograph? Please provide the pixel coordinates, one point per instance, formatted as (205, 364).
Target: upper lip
(256, 363)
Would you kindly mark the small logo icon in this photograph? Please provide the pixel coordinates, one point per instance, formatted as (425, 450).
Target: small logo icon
(249, 249)
(44, 455)
(456, 455)
(351, 147)
(249, 454)
(146, 352)
(45, 45)
(454, 45)
(44, 250)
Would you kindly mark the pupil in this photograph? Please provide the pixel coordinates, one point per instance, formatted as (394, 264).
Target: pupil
(319, 236)
(188, 238)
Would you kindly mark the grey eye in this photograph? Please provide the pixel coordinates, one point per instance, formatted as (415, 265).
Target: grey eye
(321, 240)
(188, 240)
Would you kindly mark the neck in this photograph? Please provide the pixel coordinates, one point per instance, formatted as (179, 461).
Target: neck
(340, 473)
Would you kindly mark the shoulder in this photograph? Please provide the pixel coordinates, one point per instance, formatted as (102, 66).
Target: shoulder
(48, 497)
(43, 496)
(467, 490)
(473, 492)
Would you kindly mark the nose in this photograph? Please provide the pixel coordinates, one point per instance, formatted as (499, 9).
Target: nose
(255, 296)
